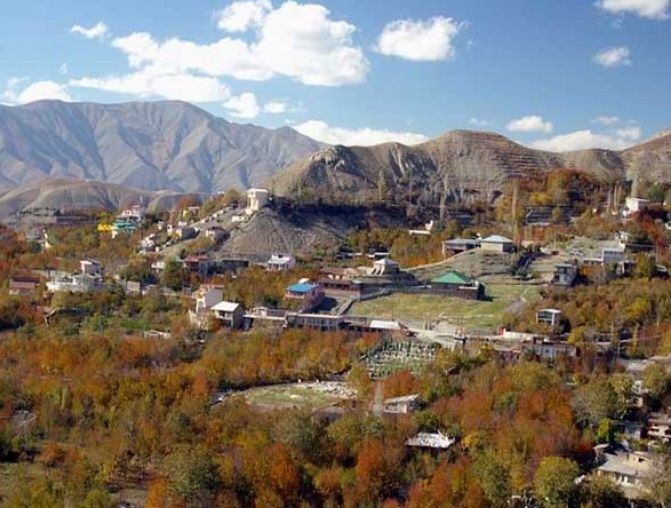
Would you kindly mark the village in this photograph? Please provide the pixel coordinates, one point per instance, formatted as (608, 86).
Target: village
(486, 296)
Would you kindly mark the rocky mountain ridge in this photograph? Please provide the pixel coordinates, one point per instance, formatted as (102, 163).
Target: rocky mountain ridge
(146, 145)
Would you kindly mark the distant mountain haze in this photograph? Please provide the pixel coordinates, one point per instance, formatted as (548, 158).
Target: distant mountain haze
(147, 145)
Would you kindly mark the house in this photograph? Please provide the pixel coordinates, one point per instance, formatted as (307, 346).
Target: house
(550, 350)
(435, 440)
(612, 255)
(384, 267)
(564, 274)
(256, 199)
(197, 263)
(229, 314)
(307, 295)
(91, 267)
(321, 322)
(77, 283)
(22, 285)
(185, 232)
(133, 214)
(458, 284)
(123, 226)
(215, 233)
(496, 243)
(207, 296)
(550, 317)
(401, 405)
(281, 262)
(659, 427)
(635, 205)
(628, 469)
(457, 245)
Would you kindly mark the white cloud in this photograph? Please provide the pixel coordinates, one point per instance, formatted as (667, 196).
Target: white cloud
(243, 106)
(419, 40)
(612, 57)
(652, 9)
(585, 139)
(606, 120)
(479, 122)
(98, 31)
(323, 132)
(243, 15)
(37, 91)
(186, 87)
(531, 123)
(275, 107)
(298, 41)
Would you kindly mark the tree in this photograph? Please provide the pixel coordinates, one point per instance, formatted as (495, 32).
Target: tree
(601, 492)
(192, 476)
(593, 402)
(656, 381)
(660, 484)
(555, 482)
(494, 478)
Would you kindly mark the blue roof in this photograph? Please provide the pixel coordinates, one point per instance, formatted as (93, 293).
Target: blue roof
(302, 287)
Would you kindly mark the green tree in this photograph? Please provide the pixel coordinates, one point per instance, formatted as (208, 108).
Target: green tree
(494, 478)
(192, 476)
(657, 381)
(594, 402)
(555, 482)
(601, 492)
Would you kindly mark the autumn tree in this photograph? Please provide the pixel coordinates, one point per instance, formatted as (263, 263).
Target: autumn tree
(555, 482)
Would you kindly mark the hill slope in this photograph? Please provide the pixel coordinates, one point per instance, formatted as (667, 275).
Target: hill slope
(452, 167)
(147, 145)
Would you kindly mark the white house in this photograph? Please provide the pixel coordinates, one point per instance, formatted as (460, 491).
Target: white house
(256, 199)
(281, 262)
(550, 317)
(77, 283)
(497, 243)
(385, 266)
(635, 205)
(229, 314)
(91, 267)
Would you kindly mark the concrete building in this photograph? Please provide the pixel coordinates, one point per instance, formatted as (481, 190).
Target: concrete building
(401, 405)
(281, 262)
(458, 284)
(77, 283)
(496, 243)
(229, 314)
(458, 245)
(635, 205)
(564, 274)
(628, 469)
(550, 317)
(256, 199)
(22, 285)
(384, 267)
(307, 295)
(659, 427)
(91, 267)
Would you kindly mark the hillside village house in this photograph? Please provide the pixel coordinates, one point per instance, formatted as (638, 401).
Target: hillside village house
(383, 267)
(550, 317)
(635, 205)
(281, 262)
(22, 285)
(457, 245)
(659, 427)
(564, 274)
(229, 314)
(630, 470)
(256, 199)
(307, 295)
(496, 243)
(91, 267)
(458, 284)
(401, 405)
(207, 296)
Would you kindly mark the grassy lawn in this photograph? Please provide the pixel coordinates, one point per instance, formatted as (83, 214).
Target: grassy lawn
(470, 313)
(289, 396)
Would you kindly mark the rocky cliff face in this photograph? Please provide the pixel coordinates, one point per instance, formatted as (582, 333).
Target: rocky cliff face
(146, 145)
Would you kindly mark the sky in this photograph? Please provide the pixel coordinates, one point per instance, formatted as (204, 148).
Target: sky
(551, 74)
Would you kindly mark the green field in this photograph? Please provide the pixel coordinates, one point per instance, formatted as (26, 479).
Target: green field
(293, 395)
(457, 311)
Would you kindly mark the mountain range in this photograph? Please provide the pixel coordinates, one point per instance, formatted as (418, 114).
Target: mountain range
(115, 150)
(147, 145)
(455, 166)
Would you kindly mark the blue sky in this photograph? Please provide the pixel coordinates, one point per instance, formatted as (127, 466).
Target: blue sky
(556, 75)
